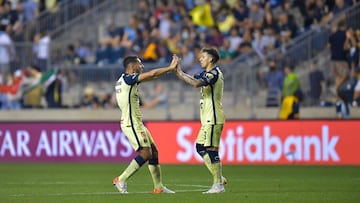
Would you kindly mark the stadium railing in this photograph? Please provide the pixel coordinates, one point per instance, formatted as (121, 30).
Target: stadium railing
(73, 19)
(53, 20)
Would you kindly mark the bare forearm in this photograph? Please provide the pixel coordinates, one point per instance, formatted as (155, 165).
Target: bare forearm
(189, 79)
(160, 71)
(153, 74)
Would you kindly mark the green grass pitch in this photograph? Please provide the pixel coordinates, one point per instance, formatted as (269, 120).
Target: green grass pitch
(92, 182)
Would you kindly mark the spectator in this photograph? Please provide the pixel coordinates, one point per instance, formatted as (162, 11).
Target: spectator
(89, 99)
(342, 106)
(162, 8)
(317, 85)
(352, 48)
(9, 14)
(234, 39)
(10, 94)
(241, 14)
(83, 4)
(338, 58)
(153, 49)
(6, 50)
(355, 56)
(108, 101)
(194, 67)
(345, 95)
(256, 15)
(33, 90)
(270, 22)
(340, 5)
(173, 44)
(165, 25)
(53, 92)
(187, 36)
(245, 46)
(226, 55)
(291, 81)
(41, 50)
(130, 30)
(257, 43)
(225, 19)
(83, 50)
(214, 38)
(143, 11)
(287, 26)
(71, 58)
(310, 14)
(187, 57)
(159, 99)
(102, 53)
(117, 51)
(356, 97)
(274, 80)
(30, 10)
(320, 11)
(290, 106)
(112, 31)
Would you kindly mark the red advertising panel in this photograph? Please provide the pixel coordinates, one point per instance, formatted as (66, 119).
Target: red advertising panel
(242, 142)
(265, 142)
(64, 141)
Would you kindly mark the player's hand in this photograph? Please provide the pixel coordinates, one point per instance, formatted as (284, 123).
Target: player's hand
(174, 62)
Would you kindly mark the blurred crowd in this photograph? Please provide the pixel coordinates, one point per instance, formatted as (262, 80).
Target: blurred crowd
(160, 28)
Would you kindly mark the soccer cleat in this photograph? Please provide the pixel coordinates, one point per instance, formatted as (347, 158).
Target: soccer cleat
(223, 180)
(164, 190)
(120, 186)
(216, 188)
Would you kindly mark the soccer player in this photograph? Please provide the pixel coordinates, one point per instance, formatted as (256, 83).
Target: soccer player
(131, 122)
(212, 115)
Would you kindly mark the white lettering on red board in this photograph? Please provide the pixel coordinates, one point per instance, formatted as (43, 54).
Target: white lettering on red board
(63, 143)
(235, 146)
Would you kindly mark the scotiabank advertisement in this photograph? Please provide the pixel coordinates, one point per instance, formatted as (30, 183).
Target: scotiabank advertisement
(327, 142)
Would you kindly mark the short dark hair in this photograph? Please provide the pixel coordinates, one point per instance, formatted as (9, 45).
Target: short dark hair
(290, 66)
(128, 60)
(35, 67)
(341, 23)
(213, 52)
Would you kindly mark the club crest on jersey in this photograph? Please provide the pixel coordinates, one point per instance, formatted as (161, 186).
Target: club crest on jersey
(209, 76)
(143, 135)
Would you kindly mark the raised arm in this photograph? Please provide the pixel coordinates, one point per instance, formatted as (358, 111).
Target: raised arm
(155, 73)
(188, 78)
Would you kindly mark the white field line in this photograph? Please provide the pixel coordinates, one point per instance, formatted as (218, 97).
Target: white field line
(199, 188)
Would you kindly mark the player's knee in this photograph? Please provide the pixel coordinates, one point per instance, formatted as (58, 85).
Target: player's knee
(153, 161)
(145, 153)
(140, 160)
(154, 152)
(214, 156)
(200, 149)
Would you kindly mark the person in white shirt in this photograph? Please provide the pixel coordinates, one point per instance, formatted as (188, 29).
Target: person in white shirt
(6, 51)
(42, 50)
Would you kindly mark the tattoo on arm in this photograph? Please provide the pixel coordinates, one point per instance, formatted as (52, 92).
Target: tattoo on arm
(191, 80)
